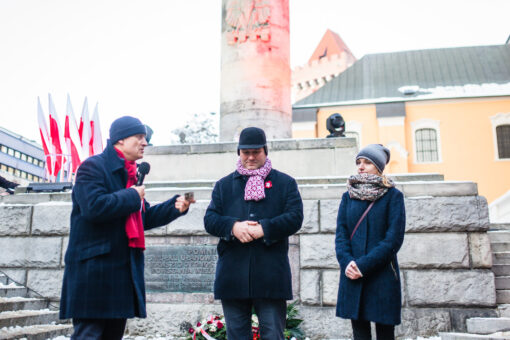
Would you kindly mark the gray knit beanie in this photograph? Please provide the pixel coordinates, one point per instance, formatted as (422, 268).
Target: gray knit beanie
(377, 154)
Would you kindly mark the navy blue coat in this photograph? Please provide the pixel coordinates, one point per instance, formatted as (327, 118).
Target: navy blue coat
(103, 277)
(376, 296)
(258, 269)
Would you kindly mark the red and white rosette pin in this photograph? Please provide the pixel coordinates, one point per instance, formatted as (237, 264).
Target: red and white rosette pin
(268, 185)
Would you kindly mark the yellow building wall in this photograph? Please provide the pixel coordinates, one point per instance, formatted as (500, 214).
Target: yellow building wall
(364, 114)
(466, 139)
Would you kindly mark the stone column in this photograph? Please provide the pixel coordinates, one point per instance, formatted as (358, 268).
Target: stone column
(255, 69)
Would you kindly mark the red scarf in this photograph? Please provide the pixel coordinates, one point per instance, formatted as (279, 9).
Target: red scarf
(134, 224)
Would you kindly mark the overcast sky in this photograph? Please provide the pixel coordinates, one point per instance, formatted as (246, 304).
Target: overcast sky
(160, 59)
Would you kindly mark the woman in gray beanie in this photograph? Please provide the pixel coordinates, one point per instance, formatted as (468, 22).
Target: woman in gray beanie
(370, 231)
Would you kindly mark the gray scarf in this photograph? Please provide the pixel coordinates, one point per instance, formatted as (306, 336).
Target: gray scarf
(367, 187)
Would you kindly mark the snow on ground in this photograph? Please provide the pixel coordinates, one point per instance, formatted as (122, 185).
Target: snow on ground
(158, 337)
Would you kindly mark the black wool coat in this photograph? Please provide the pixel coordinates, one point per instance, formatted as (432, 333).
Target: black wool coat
(258, 269)
(376, 296)
(103, 277)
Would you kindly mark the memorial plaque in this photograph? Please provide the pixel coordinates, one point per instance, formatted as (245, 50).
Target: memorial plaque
(180, 268)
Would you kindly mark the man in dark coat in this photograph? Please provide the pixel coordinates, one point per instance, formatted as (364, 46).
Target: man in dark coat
(253, 211)
(103, 279)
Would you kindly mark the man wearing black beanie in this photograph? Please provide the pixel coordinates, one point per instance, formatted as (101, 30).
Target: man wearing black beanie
(104, 263)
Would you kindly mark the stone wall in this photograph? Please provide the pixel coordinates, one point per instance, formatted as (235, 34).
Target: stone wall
(445, 260)
(297, 157)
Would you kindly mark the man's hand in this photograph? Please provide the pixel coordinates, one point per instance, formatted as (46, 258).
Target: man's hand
(241, 231)
(352, 271)
(140, 190)
(182, 204)
(255, 230)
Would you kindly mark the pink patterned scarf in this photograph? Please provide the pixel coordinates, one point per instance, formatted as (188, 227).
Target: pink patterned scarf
(254, 189)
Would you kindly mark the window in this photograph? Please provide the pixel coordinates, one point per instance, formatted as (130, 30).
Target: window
(3, 148)
(30, 159)
(10, 151)
(30, 177)
(23, 157)
(426, 141)
(503, 138)
(17, 154)
(426, 146)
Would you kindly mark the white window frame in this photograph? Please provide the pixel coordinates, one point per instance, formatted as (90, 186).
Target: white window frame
(497, 120)
(427, 124)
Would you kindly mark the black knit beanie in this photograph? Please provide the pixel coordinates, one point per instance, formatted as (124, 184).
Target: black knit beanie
(124, 127)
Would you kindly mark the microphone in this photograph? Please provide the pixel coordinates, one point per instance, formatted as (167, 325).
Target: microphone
(143, 169)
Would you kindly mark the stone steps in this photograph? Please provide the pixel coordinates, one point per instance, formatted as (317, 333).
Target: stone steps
(20, 303)
(502, 296)
(12, 291)
(499, 236)
(487, 325)
(3, 279)
(501, 257)
(25, 317)
(502, 282)
(498, 247)
(501, 270)
(467, 336)
(500, 226)
(37, 332)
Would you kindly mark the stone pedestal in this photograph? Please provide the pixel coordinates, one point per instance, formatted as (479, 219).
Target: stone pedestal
(255, 68)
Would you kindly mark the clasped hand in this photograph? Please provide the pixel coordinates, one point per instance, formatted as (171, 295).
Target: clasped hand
(352, 271)
(247, 231)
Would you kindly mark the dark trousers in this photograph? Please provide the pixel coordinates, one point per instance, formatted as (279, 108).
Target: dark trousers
(271, 313)
(361, 331)
(98, 329)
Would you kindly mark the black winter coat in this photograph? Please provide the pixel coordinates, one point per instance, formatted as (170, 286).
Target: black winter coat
(258, 269)
(376, 296)
(103, 277)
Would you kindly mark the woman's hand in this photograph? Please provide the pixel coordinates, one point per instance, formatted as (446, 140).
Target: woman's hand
(352, 271)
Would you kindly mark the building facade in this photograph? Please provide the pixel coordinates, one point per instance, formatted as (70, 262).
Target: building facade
(20, 158)
(439, 111)
(330, 58)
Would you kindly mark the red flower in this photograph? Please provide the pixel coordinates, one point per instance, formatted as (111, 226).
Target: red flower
(209, 322)
(219, 325)
(191, 331)
(217, 317)
(199, 324)
(268, 185)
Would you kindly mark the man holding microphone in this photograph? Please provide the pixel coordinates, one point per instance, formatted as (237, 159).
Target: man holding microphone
(104, 263)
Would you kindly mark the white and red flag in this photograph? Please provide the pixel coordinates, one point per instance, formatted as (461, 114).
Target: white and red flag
(55, 138)
(96, 139)
(84, 130)
(45, 139)
(72, 139)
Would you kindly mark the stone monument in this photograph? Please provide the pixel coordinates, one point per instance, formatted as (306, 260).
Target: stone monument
(255, 69)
